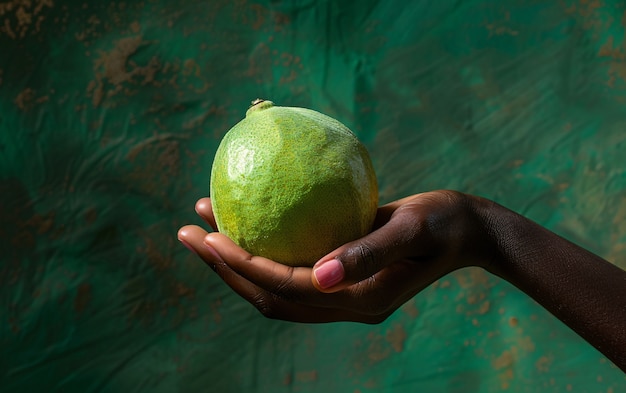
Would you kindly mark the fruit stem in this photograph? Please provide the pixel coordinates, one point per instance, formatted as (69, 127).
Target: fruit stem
(258, 105)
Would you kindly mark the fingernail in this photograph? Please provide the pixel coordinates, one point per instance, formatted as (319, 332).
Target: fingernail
(188, 246)
(214, 253)
(329, 273)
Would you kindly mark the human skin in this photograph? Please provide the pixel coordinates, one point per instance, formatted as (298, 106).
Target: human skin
(416, 241)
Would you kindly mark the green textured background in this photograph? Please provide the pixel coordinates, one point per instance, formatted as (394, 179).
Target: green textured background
(110, 114)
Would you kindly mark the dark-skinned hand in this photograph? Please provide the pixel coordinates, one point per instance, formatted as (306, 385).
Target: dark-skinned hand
(416, 241)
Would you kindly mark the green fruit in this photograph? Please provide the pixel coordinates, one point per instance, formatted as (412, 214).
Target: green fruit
(291, 184)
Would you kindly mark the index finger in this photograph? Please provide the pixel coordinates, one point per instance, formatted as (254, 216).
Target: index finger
(293, 283)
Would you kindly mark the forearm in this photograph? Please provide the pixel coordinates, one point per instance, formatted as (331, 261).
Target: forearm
(581, 289)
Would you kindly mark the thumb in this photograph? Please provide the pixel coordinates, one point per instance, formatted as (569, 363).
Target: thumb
(364, 257)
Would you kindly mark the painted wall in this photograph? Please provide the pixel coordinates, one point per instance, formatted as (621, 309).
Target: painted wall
(110, 113)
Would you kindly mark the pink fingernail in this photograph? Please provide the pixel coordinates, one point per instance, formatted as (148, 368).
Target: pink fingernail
(188, 246)
(329, 273)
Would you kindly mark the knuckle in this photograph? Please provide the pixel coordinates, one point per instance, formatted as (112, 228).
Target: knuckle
(360, 262)
(264, 305)
(366, 254)
(284, 288)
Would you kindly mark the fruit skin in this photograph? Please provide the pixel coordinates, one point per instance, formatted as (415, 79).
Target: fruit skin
(291, 184)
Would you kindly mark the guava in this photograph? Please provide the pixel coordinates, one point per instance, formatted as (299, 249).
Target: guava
(292, 184)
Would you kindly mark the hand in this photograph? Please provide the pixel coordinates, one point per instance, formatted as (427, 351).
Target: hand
(415, 241)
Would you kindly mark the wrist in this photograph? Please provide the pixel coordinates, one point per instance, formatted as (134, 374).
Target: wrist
(462, 231)
(508, 238)
(487, 219)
